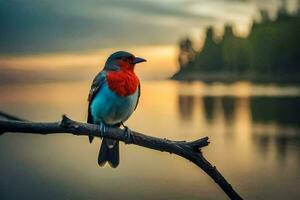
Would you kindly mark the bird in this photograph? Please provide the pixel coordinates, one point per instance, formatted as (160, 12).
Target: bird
(113, 97)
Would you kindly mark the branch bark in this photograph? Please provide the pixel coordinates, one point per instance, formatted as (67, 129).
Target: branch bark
(188, 150)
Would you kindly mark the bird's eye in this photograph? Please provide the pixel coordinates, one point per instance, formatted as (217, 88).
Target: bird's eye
(131, 58)
(125, 59)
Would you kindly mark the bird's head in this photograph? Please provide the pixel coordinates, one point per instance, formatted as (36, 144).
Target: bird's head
(122, 60)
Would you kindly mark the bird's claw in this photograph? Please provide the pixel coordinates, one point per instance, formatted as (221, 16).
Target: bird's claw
(128, 135)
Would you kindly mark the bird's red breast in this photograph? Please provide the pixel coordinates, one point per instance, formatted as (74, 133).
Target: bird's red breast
(123, 82)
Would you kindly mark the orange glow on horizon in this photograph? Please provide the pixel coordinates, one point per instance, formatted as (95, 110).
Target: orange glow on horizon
(58, 60)
(161, 60)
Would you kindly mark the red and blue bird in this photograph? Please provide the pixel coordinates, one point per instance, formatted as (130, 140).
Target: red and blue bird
(113, 97)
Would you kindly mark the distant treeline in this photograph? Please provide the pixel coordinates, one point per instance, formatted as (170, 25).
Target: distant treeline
(270, 53)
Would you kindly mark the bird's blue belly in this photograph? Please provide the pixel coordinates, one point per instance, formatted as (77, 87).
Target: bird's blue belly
(110, 108)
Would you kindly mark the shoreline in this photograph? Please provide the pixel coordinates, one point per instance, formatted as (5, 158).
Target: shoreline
(234, 77)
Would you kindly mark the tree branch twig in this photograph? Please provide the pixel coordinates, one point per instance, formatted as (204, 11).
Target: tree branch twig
(188, 150)
(10, 117)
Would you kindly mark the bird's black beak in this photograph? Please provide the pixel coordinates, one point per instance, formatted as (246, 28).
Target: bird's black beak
(138, 60)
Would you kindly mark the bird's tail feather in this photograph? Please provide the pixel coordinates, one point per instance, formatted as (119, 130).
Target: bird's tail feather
(109, 152)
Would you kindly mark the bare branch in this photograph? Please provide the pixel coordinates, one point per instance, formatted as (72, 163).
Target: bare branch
(188, 150)
(10, 117)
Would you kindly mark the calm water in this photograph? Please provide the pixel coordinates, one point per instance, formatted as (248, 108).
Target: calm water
(254, 133)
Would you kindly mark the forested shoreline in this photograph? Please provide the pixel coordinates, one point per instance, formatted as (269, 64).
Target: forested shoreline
(270, 53)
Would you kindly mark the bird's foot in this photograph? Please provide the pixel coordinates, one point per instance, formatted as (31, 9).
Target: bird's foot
(128, 134)
(102, 128)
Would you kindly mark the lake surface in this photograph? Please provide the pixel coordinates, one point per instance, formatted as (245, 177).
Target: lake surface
(254, 133)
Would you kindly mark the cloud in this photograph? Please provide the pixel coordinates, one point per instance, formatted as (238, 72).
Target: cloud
(73, 25)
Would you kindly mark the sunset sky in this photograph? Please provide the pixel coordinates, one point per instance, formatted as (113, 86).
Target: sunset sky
(75, 25)
(54, 34)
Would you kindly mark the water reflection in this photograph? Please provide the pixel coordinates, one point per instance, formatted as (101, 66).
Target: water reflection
(186, 107)
(248, 120)
(246, 142)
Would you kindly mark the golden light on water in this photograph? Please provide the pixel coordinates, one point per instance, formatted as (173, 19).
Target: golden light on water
(167, 109)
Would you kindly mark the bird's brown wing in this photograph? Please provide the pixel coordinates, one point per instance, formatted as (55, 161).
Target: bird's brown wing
(139, 94)
(96, 85)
